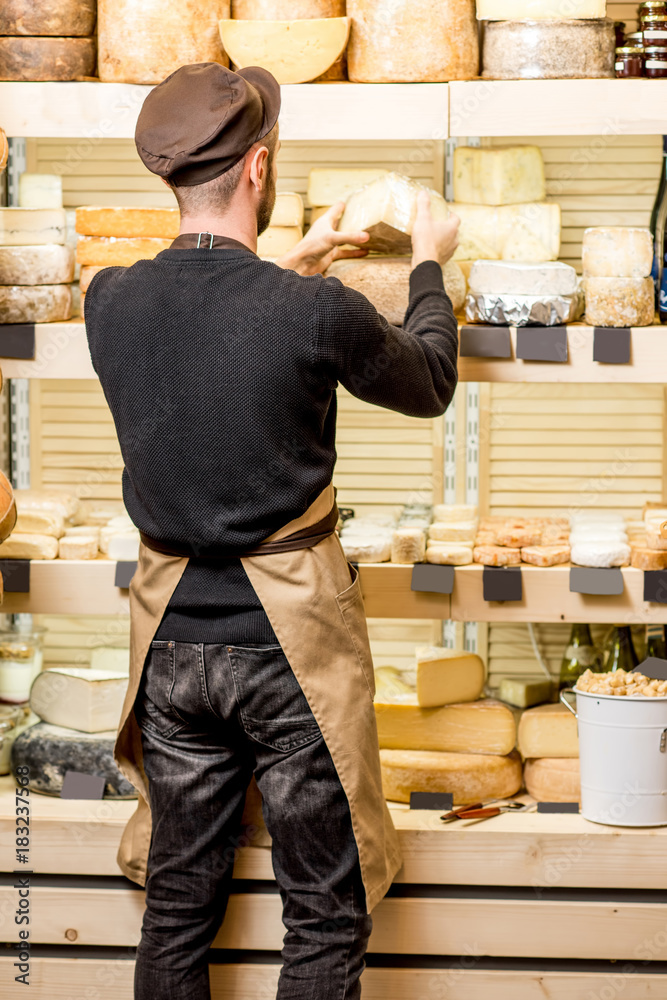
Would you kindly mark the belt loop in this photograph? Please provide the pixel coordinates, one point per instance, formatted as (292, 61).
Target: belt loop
(210, 246)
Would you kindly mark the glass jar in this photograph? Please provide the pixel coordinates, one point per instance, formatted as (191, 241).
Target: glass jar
(629, 62)
(650, 7)
(652, 20)
(20, 662)
(655, 63)
(635, 39)
(619, 28)
(654, 31)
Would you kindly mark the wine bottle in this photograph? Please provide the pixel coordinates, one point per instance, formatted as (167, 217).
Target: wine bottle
(620, 651)
(655, 641)
(658, 228)
(580, 655)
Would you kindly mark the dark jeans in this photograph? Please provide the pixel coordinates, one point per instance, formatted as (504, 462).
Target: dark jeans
(210, 716)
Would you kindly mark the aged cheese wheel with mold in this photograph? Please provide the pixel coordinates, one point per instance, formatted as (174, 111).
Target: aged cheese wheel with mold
(46, 59)
(35, 303)
(69, 18)
(51, 264)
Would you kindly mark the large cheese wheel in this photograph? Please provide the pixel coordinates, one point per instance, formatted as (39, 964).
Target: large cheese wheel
(41, 59)
(385, 281)
(127, 222)
(108, 251)
(553, 779)
(143, 41)
(47, 17)
(469, 777)
(36, 265)
(27, 227)
(35, 303)
(294, 10)
(412, 41)
(293, 51)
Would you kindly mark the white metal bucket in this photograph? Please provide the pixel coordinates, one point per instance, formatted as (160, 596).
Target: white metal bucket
(623, 757)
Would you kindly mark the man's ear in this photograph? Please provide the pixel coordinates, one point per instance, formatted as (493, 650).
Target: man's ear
(259, 168)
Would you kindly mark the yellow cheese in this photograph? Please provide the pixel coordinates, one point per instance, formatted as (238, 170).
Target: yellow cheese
(40, 522)
(499, 176)
(288, 210)
(528, 232)
(483, 726)
(447, 676)
(28, 546)
(548, 731)
(92, 220)
(40, 191)
(86, 276)
(553, 779)
(110, 251)
(469, 777)
(278, 240)
(20, 227)
(390, 684)
(328, 185)
(293, 51)
(386, 209)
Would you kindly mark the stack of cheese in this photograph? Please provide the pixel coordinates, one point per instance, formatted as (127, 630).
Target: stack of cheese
(451, 537)
(538, 541)
(79, 710)
(384, 205)
(443, 737)
(36, 267)
(649, 551)
(516, 294)
(368, 539)
(52, 40)
(617, 264)
(408, 541)
(599, 538)
(548, 741)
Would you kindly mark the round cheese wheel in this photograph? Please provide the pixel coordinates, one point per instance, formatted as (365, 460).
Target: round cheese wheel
(294, 10)
(412, 41)
(553, 779)
(42, 59)
(50, 264)
(469, 777)
(47, 17)
(143, 41)
(35, 303)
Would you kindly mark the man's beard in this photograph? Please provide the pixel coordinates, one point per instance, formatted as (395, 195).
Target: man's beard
(266, 205)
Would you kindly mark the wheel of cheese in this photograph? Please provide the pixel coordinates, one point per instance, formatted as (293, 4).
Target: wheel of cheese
(553, 779)
(293, 51)
(7, 507)
(4, 149)
(469, 777)
(51, 264)
(42, 59)
(412, 41)
(143, 41)
(108, 251)
(294, 10)
(73, 18)
(35, 303)
(161, 223)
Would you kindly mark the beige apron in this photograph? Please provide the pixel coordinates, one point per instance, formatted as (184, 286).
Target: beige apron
(313, 600)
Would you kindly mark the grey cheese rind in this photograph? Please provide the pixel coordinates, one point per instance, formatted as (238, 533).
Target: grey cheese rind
(50, 264)
(35, 303)
(567, 49)
(46, 59)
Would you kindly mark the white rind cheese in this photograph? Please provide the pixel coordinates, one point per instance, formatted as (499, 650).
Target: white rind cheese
(89, 701)
(40, 522)
(78, 547)
(21, 227)
(328, 185)
(617, 252)
(514, 278)
(539, 10)
(528, 233)
(448, 554)
(28, 546)
(601, 554)
(469, 777)
(499, 176)
(386, 209)
(40, 191)
(35, 303)
(293, 51)
(51, 264)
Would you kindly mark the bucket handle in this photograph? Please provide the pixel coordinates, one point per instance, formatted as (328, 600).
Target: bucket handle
(663, 741)
(563, 697)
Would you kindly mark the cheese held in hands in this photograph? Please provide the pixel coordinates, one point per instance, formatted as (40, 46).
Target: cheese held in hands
(447, 676)
(386, 209)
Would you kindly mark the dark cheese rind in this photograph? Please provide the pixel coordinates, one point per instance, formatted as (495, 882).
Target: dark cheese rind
(49, 751)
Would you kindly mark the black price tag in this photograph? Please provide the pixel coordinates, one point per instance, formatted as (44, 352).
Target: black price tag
(542, 343)
(485, 342)
(442, 801)
(79, 785)
(431, 579)
(17, 341)
(502, 583)
(558, 807)
(654, 667)
(15, 575)
(124, 573)
(655, 586)
(611, 345)
(598, 581)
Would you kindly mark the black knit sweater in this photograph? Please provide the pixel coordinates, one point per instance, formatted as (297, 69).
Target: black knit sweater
(220, 371)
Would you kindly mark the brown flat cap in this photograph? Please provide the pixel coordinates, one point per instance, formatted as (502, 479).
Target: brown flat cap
(201, 120)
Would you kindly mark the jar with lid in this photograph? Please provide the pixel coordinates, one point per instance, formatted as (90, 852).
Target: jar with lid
(629, 62)
(655, 63)
(652, 7)
(635, 38)
(654, 31)
(20, 662)
(619, 28)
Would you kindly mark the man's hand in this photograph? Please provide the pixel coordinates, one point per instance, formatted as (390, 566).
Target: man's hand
(432, 239)
(322, 245)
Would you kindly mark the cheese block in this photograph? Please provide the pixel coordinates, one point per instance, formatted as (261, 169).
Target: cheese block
(545, 555)
(110, 251)
(42, 59)
(26, 227)
(523, 692)
(617, 252)
(549, 278)
(412, 41)
(498, 176)
(562, 49)
(83, 530)
(484, 726)
(447, 676)
(78, 547)
(35, 303)
(553, 779)
(89, 701)
(645, 558)
(144, 41)
(455, 512)
(40, 522)
(51, 264)
(288, 210)
(602, 554)
(517, 537)
(448, 554)
(278, 240)
(86, 276)
(162, 223)
(50, 751)
(66, 504)
(548, 731)
(496, 555)
(408, 545)
(385, 281)
(386, 209)
(529, 233)
(28, 546)
(469, 777)
(124, 546)
(539, 10)
(47, 17)
(293, 51)
(453, 532)
(40, 191)
(328, 185)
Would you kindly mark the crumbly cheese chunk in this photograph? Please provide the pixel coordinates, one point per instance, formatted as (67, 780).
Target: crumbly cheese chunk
(619, 301)
(499, 176)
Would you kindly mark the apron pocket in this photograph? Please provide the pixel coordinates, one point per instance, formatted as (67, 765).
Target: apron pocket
(351, 606)
(153, 707)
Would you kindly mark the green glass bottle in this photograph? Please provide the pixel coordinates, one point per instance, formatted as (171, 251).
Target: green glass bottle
(581, 654)
(620, 651)
(655, 641)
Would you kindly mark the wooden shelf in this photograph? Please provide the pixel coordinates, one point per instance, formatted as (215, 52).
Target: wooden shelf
(70, 587)
(330, 111)
(61, 351)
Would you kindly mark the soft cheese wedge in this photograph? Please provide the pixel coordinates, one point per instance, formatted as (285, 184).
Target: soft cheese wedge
(386, 210)
(293, 51)
(548, 731)
(483, 726)
(89, 701)
(447, 676)
(469, 777)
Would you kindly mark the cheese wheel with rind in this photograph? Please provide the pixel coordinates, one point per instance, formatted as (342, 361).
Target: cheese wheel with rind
(50, 264)
(110, 251)
(385, 281)
(293, 51)
(447, 554)
(484, 726)
(20, 227)
(127, 223)
(45, 59)
(617, 252)
(538, 10)
(548, 731)
(294, 10)
(86, 276)
(78, 547)
(469, 777)
(553, 779)
(79, 698)
(67, 18)
(625, 302)
(35, 303)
